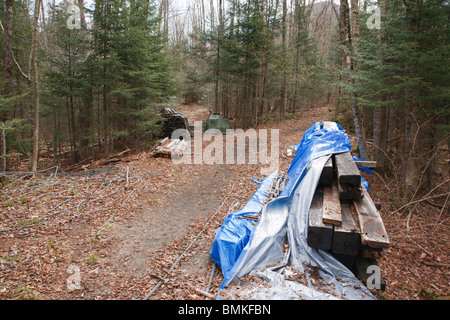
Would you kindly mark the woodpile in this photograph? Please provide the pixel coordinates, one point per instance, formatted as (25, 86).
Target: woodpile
(168, 147)
(344, 220)
(173, 120)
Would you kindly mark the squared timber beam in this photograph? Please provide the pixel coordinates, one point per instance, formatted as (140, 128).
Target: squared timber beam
(320, 235)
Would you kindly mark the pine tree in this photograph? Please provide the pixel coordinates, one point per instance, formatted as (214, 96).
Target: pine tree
(107, 79)
(405, 71)
(306, 63)
(66, 80)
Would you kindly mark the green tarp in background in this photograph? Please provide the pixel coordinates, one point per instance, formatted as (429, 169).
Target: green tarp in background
(216, 121)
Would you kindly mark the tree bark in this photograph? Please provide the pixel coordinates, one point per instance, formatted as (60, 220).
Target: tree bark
(346, 37)
(35, 80)
(217, 71)
(7, 74)
(6, 50)
(380, 119)
(283, 43)
(411, 106)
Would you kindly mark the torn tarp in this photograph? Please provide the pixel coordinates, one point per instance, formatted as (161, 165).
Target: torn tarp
(241, 248)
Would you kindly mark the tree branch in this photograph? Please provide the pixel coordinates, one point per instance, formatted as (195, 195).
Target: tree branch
(14, 59)
(20, 69)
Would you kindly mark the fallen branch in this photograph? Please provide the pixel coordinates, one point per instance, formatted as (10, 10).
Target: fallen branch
(206, 294)
(420, 200)
(440, 213)
(113, 158)
(188, 247)
(210, 277)
(436, 264)
(41, 221)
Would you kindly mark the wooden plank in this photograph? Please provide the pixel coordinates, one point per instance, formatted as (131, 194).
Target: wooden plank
(327, 173)
(346, 237)
(366, 164)
(331, 212)
(373, 232)
(320, 235)
(348, 176)
(166, 148)
(171, 143)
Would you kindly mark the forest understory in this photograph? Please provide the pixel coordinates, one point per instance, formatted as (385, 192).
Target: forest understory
(117, 231)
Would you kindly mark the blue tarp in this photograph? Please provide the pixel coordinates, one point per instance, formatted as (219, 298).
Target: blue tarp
(235, 232)
(241, 246)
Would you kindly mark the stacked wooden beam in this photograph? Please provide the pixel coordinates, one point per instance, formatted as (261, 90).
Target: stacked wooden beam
(343, 219)
(173, 121)
(168, 147)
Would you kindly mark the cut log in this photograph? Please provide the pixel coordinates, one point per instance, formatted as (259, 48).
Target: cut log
(346, 237)
(348, 176)
(327, 173)
(350, 193)
(331, 212)
(320, 235)
(373, 232)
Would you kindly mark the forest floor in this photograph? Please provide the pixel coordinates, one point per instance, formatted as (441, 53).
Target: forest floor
(114, 231)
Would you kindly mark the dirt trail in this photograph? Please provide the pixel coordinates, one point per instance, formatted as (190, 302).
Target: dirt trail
(166, 219)
(144, 247)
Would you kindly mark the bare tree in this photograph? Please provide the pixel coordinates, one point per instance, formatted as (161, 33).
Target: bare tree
(380, 119)
(7, 73)
(35, 82)
(345, 23)
(283, 43)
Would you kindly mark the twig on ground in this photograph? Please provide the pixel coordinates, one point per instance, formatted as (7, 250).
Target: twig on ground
(188, 247)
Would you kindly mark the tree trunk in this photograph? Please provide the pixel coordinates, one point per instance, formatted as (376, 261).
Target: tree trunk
(411, 106)
(6, 50)
(379, 136)
(82, 15)
(283, 42)
(35, 80)
(261, 91)
(354, 20)
(7, 74)
(55, 141)
(380, 119)
(217, 71)
(346, 36)
(86, 107)
(84, 120)
(71, 114)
